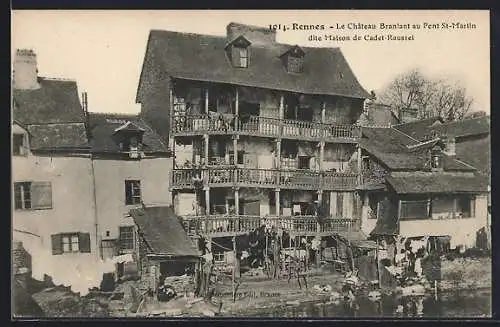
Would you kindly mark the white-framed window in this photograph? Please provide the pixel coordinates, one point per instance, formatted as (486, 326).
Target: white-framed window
(19, 147)
(132, 192)
(70, 243)
(32, 195)
(126, 237)
(243, 55)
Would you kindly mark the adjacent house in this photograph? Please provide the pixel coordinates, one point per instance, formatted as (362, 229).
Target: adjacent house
(258, 128)
(76, 175)
(131, 165)
(52, 176)
(415, 189)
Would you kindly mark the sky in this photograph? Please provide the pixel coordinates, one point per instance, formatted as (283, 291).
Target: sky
(103, 50)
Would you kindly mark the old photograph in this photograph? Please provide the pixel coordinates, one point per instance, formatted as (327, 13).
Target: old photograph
(251, 163)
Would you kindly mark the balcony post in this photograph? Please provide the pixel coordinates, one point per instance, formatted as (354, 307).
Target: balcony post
(360, 176)
(237, 200)
(277, 201)
(235, 149)
(281, 114)
(323, 120)
(171, 103)
(320, 199)
(205, 148)
(207, 200)
(321, 155)
(323, 111)
(236, 108)
(206, 100)
(278, 161)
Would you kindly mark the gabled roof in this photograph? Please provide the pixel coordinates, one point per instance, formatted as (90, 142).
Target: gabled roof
(295, 51)
(437, 183)
(56, 101)
(426, 128)
(163, 233)
(129, 126)
(52, 115)
(102, 127)
(203, 58)
(398, 151)
(239, 41)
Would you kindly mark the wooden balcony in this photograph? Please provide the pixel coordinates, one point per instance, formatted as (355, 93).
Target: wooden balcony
(227, 225)
(263, 127)
(262, 178)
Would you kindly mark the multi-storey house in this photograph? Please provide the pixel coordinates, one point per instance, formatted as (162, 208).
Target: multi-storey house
(258, 129)
(130, 164)
(53, 190)
(415, 189)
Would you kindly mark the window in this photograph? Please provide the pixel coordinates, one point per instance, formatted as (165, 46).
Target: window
(294, 64)
(435, 162)
(415, 208)
(18, 145)
(243, 54)
(366, 163)
(239, 155)
(304, 162)
(32, 195)
(126, 237)
(70, 243)
(132, 192)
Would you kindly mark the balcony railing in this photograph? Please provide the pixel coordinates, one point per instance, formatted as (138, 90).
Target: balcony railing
(262, 126)
(263, 178)
(230, 224)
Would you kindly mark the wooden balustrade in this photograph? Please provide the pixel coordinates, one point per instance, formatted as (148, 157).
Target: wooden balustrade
(263, 178)
(230, 224)
(215, 124)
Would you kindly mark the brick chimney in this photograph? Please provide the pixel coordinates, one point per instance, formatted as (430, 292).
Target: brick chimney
(256, 35)
(25, 73)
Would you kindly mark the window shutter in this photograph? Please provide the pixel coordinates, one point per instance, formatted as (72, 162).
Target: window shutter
(41, 195)
(56, 244)
(84, 240)
(128, 192)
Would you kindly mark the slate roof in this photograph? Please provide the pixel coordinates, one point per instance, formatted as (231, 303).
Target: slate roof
(390, 146)
(203, 58)
(52, 115)
(58, 136)
(103, 125)
(162, 231)
(460, 128)
(56, 101)
(437, 183)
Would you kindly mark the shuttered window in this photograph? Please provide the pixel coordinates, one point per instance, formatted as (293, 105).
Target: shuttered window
(132, 192)
(70, 243)
(32, 195)
(18, 145)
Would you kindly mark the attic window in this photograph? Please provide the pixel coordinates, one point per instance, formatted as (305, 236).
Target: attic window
(243, 57)
(294, 60)
(341, 75)
(240, 54)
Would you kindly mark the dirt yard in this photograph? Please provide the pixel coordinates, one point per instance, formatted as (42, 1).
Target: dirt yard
(466, 273)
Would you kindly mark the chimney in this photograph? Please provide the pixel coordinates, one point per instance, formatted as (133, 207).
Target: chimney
(256, 35)
(25, 72)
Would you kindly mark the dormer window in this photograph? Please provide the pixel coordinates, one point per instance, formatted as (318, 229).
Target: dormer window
(293, 60)
(238, 49)
(129, 137)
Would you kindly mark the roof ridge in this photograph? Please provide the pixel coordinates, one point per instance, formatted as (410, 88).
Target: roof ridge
(223, 37)
(419, 120)
(58, 79)
(392, 127)
(113, 113)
